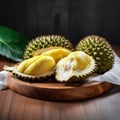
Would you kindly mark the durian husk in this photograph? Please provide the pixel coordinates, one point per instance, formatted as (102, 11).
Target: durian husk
(46, 41)
(40, 67)
(77, 73)
(99, 48)
(48, 77)
(35, 68)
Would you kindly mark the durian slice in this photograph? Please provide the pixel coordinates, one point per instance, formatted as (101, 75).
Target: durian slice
(76, 66)
(33, 78)
(99, 48)
(57, 53)
(35, 68)
(34, 46)
(42, 50)
(22, 66)
(41, 66)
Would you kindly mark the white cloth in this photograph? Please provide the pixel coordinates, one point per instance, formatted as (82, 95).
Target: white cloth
(111, 76)
(3, 75)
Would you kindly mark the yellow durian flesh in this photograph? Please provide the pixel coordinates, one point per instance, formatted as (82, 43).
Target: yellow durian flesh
(42, 50)
(57, 54)
(77, 64)
(81, 60)
(37, 65)
(23, 65)
(42, 65)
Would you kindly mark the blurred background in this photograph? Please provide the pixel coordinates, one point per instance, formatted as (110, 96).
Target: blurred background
(73, 19)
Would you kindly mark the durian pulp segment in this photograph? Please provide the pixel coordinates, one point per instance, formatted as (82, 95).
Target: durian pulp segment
(76, 64)
(39, 51)
(57, 54)
(81, 60)
(23, 65)
(37, 65)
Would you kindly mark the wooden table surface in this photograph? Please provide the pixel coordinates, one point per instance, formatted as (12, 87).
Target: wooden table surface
(17, 107)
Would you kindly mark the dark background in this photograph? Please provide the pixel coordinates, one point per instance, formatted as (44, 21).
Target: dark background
(72, 18)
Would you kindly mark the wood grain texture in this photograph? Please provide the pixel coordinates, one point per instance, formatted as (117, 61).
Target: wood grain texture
(57, 91)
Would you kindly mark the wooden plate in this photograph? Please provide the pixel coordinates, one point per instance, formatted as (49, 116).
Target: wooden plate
(57, 91)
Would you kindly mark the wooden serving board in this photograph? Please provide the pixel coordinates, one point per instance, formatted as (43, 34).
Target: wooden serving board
(57, 91)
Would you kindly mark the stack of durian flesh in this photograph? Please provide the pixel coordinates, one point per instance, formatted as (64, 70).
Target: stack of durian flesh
(54, 56)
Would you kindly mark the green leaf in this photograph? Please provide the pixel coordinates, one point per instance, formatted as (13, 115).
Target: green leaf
(12, 44)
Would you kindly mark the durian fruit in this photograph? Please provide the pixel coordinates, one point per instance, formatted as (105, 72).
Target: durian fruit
(75, 67)
(35, 68)
(41, 66)
(99, 48)
(47, 41)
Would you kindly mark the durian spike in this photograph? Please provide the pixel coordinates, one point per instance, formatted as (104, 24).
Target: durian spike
(9, 68)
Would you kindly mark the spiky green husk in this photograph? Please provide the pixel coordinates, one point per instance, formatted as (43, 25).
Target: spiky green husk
(46, 41)
(33, 78)
(100, 49)
(50, 77)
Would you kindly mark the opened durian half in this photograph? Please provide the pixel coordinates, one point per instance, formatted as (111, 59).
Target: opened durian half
(40, 67)
(45, 43)
(35, 68)
(75, 67)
